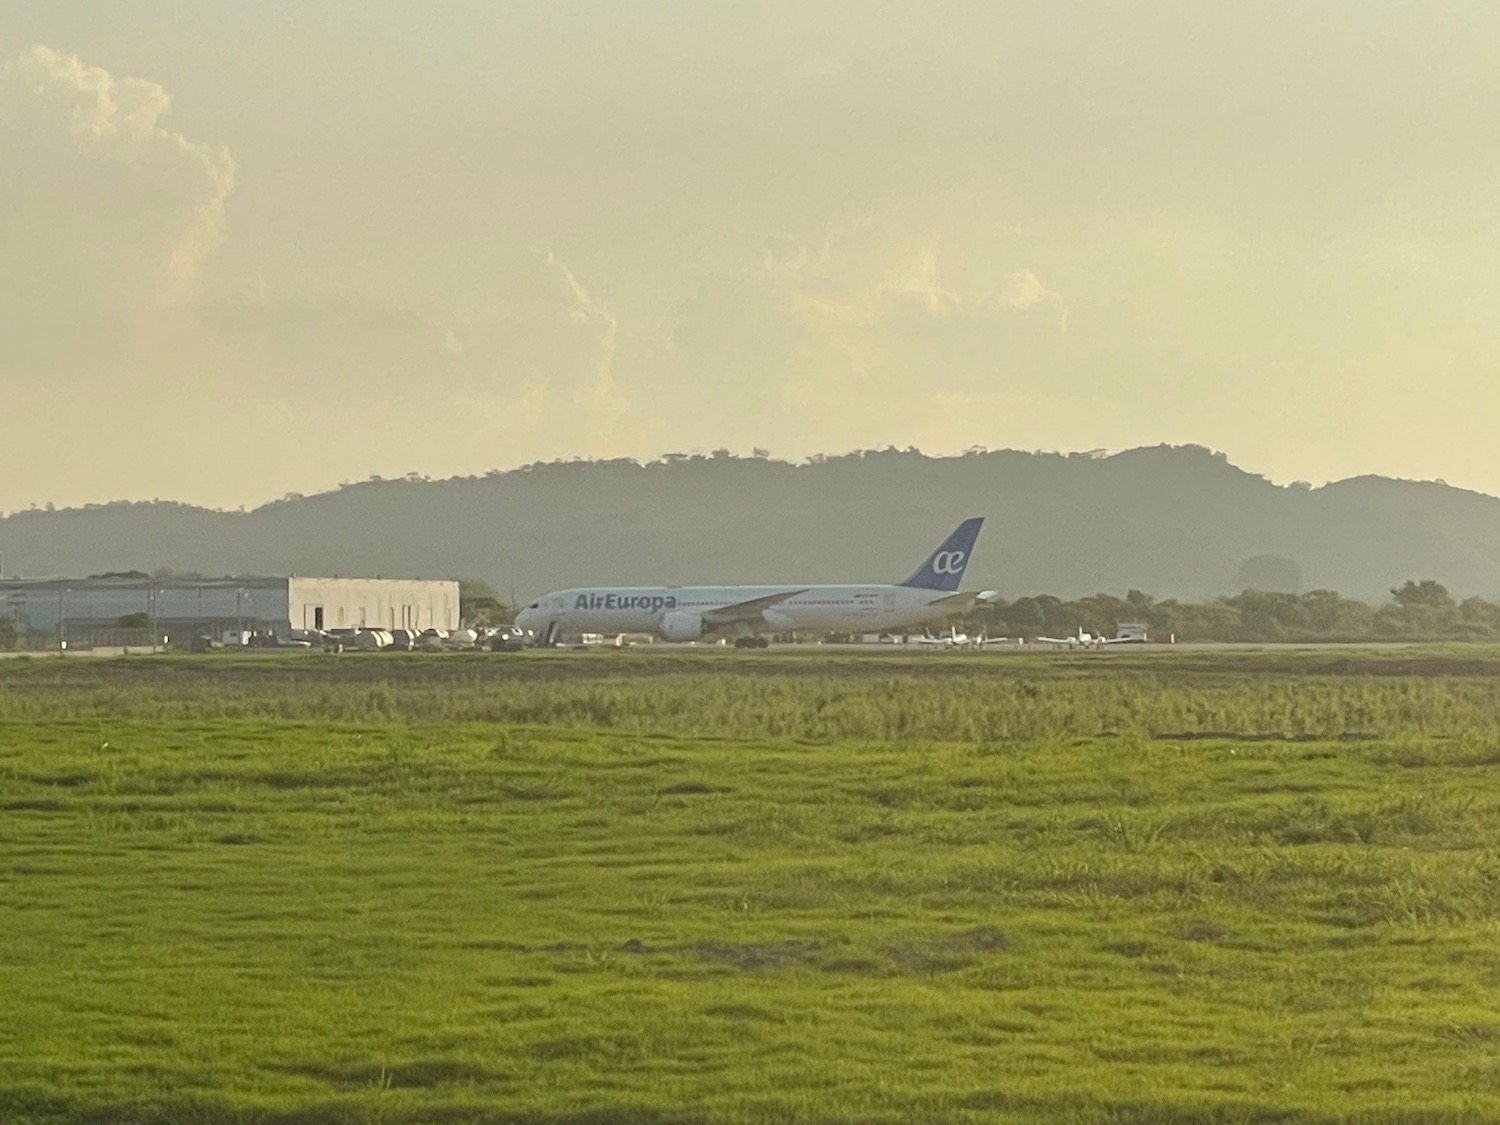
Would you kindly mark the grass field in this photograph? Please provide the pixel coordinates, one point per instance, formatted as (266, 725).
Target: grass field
(610, 888)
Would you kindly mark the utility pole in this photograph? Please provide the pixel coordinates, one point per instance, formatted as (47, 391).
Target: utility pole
(13, 600)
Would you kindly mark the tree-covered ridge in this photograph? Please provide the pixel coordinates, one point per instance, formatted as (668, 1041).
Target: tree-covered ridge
(1180, 521)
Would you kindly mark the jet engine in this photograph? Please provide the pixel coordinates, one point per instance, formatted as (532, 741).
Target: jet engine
(778, 621)
(681, 625)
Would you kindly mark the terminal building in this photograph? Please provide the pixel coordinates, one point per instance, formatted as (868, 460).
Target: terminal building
(137, 609)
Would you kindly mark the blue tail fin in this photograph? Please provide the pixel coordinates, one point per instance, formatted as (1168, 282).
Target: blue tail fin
(944, 570)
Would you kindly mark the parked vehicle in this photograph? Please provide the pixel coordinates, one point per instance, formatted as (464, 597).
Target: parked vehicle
(509, 638)
(271, 640)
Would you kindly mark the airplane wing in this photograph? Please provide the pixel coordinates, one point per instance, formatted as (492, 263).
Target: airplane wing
(959, 601)
(748, 611)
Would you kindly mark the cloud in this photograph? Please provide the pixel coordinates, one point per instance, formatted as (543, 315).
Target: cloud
(938, 318)
(732, 347)
(816, 340)
(116, 217)
(109, 219)
(920, 281)
(104, 210)
(332, 340)
(1022, 290)
(600, 399)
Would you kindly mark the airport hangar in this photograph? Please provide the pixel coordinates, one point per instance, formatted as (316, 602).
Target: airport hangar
(96, 610)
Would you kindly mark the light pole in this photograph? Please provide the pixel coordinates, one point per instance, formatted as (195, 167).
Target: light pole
(156, 596)
(14, 601)
(62, 617)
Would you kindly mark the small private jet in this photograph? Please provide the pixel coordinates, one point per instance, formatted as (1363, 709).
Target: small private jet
(1084, 639)
(953, 639)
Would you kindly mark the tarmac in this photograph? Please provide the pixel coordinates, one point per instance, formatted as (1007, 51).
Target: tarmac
(878, 650)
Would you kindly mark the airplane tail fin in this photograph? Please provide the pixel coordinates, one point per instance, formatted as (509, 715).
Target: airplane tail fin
(944, 568)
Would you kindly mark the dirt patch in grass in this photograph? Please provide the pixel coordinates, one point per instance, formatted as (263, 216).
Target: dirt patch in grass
(938, 953)
(758, 955)
(34, 805)
(742, 1012)
(1206, 931)
(688, 788)
(1262, 736)
(417, 1074)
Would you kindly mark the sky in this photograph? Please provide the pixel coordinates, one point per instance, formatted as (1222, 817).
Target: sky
(247, 250)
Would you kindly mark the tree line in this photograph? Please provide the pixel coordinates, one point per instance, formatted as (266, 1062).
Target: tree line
(1417, 610)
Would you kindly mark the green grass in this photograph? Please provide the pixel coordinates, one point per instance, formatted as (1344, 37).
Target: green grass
(727, 889)
(885, 698)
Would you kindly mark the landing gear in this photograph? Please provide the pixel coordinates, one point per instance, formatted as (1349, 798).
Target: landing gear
(751, 642)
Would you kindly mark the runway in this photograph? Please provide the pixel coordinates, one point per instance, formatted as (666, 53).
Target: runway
(872, 651)
(1078, 650)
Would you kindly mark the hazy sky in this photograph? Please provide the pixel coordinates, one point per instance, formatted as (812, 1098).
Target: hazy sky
(250, 249)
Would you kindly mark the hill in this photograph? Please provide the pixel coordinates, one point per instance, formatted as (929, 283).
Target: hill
(1174, 521)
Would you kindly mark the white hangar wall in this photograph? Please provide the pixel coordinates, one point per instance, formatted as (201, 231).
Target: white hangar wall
(78, 608)
(378, 603)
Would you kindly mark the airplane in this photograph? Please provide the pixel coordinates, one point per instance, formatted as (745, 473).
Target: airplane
(1082, 639)
(954, 639)
(681, 614)
(951, 639)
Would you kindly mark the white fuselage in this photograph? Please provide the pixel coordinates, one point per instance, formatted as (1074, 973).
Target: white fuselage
(641, 609)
